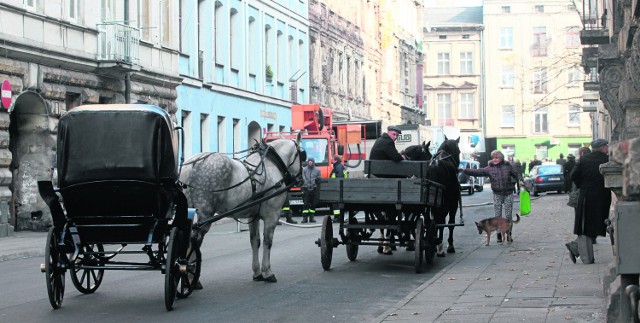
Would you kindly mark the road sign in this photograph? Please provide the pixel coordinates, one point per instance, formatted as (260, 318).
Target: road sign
(6, 94)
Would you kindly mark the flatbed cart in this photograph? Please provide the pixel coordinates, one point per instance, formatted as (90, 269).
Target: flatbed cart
(117, 188)
(400, 204)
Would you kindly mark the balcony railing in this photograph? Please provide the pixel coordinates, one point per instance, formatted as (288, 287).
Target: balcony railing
(118, 42)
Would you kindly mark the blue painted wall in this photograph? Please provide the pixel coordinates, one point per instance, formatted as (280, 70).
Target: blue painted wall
(236, 39)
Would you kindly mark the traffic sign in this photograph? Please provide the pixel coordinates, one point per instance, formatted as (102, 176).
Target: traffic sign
(6, 94)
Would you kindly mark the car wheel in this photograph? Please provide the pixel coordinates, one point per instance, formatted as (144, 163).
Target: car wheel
(535, 193)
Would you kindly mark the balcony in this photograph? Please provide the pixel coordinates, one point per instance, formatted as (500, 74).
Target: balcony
(118, 45)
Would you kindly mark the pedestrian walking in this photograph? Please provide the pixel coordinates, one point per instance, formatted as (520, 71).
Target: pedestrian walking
(566, 171)
(500, 173)
(311, 179)
(594, 201)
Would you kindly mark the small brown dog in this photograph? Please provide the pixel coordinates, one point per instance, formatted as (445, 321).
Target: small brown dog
(497, 223)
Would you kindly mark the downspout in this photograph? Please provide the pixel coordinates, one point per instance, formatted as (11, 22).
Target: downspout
(127, 87)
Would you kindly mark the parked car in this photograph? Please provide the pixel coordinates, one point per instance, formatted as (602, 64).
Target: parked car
(468, 183)
(545, 178)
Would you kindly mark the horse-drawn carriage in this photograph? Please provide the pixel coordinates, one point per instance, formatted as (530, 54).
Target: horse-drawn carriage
(397, 205)
(117, 178)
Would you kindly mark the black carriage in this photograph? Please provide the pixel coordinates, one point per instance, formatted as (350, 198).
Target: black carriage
(117, 187)
(400, 204)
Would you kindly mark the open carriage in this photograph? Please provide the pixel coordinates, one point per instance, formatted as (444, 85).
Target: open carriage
(397, 205)
(117, 187)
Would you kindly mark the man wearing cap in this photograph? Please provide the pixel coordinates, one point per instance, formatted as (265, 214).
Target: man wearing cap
(311, 176)
(385, 147)
(594, 201)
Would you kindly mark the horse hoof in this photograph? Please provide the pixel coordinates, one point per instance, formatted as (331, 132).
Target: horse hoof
(198, 285)
(271, 279)
(258, 278)
(451, 249)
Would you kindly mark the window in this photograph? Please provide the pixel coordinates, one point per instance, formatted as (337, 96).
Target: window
(466, 63)
(539, 47)
(467, 110)
(509, 150)
(465, 36)
(539, 8)
(204, 132)
(185, 118)
(166, 22)
(30, 5)
(72, 10)
(234, 39)
(442, 37)
(443, 64)
(217, 33)
(542, 152)
(506, 38)
(506, 9)
(222, 148)
(540, 120)
(144, 19)
(507, 76)
(573, 149)
(444, 110)
(573, 37)
(574, 114)
(540, 80)
(574, 75)
(508, 116)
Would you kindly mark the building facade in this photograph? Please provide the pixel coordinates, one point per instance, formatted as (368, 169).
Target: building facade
(453, 74)
(345, 56)
(244, 64)
(534, 78)
(59, 54)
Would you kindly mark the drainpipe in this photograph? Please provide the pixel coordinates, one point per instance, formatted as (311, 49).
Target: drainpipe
(127, 87)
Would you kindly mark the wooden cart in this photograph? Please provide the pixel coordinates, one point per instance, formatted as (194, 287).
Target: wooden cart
(400, 204)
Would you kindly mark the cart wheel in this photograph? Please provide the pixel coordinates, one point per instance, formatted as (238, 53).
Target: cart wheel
(419, 244)
(326, 242)
(87, 281)
(191, 273)
(430, 246)
(352, 241)
(172, 269)
(54, 270)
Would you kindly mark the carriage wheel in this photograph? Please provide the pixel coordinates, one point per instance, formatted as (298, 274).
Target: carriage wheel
(352, 241)
(419, 244)
(191, 272)
(430, 246)
(54, 270)
(172, 269)
(326, 242)
(87, 281)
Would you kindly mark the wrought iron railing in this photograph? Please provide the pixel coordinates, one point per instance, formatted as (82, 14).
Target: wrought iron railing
(118, 42)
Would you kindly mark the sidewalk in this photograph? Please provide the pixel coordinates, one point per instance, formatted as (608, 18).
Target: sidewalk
(532, 280)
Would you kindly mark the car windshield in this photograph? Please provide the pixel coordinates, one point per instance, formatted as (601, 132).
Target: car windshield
(317, 149)
(551, 169)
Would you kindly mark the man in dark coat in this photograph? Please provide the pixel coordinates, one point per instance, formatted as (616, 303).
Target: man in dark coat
(385, 147)
(535, 162)
(568, 167)
(593, 202)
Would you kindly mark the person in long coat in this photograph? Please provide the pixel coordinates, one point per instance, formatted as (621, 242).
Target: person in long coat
(568, 167)
(593, 202)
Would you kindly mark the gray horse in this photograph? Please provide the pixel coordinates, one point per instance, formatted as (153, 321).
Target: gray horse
(215, 184)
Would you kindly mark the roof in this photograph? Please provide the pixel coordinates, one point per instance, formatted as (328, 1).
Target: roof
(459, 16)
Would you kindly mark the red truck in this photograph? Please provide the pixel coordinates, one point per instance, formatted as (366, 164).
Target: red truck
(321, 140)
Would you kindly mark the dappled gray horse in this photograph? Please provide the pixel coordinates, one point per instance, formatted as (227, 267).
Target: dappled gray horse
(215, 184)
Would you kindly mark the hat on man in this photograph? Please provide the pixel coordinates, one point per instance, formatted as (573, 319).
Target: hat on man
(571, 156)
(394, 128)
(311, 159)
(599, 143)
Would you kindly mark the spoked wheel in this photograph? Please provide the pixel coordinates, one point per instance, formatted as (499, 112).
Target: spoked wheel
(352, 241)
(190, 272)
(87, 281)
(54, 270)
(430, 245)
(326, 242)
(172, 269)
(419, 244)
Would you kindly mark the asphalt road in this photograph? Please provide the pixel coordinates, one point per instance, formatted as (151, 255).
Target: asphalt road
(349, 292)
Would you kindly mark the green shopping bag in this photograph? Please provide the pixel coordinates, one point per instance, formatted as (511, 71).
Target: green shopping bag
(525, 202)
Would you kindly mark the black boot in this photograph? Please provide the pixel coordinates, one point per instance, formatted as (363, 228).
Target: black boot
(305, 219)
(291, 220)
(311, 219)
(499, 237)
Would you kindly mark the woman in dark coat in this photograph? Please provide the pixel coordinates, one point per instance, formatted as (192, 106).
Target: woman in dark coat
(593, 202)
